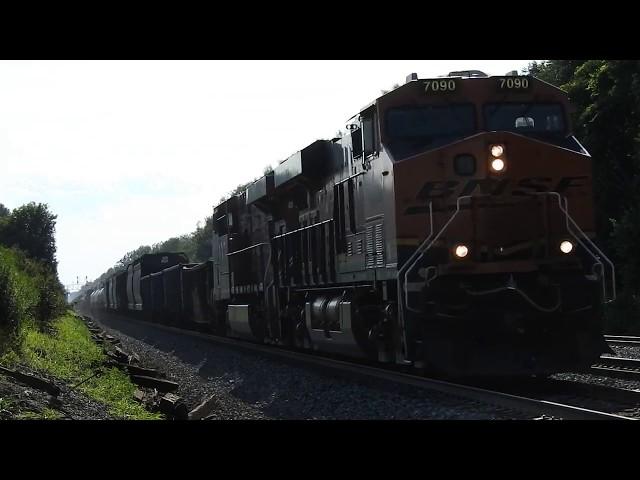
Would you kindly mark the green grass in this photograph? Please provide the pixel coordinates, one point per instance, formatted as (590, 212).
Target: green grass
(46, 414)
(5, 404)
(70, 354)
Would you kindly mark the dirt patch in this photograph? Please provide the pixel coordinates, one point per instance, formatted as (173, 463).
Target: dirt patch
(19, 401)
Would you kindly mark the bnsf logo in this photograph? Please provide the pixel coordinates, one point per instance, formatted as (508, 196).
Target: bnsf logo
(448, 188)
(489, 186)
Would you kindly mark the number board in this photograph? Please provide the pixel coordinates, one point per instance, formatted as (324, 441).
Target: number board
(514, 83)
(440, 86)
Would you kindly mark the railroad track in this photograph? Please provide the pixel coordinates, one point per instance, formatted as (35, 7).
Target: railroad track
(535, 407)
(573, 391)
(618, 367)
(622, 340)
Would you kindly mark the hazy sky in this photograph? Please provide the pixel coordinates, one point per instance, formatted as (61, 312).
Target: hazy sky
(130, 153)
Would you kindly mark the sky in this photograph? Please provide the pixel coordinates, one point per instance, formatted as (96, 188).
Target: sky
(130, 153)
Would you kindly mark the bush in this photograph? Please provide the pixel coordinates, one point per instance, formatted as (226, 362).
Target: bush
(626, 233)
(10, 313)
(51, 301)
(622, 317)
(29, 293)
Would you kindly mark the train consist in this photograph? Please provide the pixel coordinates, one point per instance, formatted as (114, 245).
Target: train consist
(450, 229)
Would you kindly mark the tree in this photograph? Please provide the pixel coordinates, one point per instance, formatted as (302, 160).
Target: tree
(31, 228)
(131, 256)
(4, 211)
(556, 72)
(606, 95)
(202, 239)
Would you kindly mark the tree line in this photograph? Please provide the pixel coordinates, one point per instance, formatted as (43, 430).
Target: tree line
(197, 245)
(606, 95)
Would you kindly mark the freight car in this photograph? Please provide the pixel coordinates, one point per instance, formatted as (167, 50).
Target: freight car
(451, 229)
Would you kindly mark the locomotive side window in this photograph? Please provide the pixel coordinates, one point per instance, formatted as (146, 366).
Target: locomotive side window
(356, 142)
(339, 216)
(525, 118)
(369, 136)
(352, 206)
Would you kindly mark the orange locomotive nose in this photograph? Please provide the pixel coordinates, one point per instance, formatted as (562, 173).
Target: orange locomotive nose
(492, 193)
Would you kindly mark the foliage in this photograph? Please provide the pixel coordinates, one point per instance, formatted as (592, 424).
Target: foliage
(29, 292)
(46, 414)
(70, 354)
(10, 313)
(556, 72)
(51, 298)
(131, 256)
(4, 211)
(203, 241)
(31, 228)
(606, 95)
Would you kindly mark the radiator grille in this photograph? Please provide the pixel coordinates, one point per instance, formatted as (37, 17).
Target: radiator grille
(374, 246)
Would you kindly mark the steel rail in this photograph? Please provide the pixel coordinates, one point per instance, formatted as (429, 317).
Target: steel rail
(622, 337)
(622, 340)
(618, 367)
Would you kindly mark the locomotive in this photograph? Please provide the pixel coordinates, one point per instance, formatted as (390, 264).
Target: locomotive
(450, 229)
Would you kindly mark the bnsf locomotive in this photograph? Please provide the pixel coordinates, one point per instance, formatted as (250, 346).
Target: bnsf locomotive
(450, 229)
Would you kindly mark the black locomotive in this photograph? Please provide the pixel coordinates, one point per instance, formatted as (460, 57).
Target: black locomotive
(452, 229)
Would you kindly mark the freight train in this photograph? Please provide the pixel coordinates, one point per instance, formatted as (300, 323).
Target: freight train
(450, 229)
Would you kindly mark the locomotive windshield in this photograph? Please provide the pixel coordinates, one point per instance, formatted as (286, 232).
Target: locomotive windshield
(415, 129)
(525, 118)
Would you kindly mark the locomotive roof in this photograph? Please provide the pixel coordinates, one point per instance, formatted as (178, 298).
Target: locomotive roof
(487, 79)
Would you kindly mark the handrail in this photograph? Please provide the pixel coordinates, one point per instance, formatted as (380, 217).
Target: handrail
(415, 258)
(345, 180)
(570, 223)
(301, 229)
(248, 248)
(399, 285)
(418, 254)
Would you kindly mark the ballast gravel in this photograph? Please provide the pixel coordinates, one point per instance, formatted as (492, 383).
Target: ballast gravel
(626, 351)
(246, 386)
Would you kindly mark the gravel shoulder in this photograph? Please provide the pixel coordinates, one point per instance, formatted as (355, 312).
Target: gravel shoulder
(247, 386)
(627, 351)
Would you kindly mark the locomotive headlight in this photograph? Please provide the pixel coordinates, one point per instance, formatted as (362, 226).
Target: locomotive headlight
(497, 165)
(497, 150)
(461, 251)
(566, 246)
